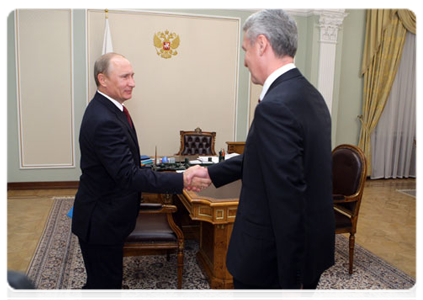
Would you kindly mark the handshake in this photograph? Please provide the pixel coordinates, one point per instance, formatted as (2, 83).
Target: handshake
(196, 178)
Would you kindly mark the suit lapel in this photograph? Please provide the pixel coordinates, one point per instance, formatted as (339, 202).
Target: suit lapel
(134, 136)
(120, 115)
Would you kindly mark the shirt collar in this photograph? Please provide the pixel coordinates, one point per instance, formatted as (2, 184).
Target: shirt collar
(118, 105)
(272, 77)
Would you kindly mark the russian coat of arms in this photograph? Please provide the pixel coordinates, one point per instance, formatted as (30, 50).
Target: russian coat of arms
(166, 43)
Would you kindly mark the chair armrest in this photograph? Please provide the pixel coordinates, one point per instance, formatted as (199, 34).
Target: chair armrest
(169, 208)
(150, 206)
(337, 198)
(156, 208)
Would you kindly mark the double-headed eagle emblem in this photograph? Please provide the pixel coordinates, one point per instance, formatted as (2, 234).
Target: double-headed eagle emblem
(166, 43)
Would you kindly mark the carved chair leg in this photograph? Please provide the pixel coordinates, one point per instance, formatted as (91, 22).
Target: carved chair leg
(180, 263)
(351, 254)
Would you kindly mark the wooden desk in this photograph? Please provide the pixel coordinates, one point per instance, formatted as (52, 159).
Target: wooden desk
(216, 208)
(236, 147)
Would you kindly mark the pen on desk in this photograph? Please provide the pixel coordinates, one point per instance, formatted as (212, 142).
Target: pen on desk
(155, 156)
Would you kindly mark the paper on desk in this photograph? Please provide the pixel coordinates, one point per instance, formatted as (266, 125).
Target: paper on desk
(214, 159)
(195, 162)
(205, 159)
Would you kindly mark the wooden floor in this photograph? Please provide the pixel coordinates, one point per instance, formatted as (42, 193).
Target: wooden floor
(386, 225)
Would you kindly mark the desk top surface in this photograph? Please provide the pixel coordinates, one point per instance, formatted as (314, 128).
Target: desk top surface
(226, 193)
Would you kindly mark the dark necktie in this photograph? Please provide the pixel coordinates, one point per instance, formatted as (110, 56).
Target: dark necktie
(125, 110)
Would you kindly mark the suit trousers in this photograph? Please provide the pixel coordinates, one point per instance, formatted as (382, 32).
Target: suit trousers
(103, 264)
(244, 291)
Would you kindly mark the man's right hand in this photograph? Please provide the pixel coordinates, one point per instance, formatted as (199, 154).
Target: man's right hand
(196, 178)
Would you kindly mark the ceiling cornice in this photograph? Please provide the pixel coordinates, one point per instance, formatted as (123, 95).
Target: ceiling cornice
(304, 12)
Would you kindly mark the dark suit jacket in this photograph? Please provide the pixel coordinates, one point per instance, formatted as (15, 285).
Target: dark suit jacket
(284, 230)
(107, 202)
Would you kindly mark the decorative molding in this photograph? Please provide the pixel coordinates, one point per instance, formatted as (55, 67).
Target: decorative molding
(26, 144)
(306, 12)
(329, 23)
(220, 214)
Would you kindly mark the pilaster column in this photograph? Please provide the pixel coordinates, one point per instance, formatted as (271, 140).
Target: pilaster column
(329, 23)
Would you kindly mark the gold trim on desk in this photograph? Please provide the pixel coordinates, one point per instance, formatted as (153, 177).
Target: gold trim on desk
(206, 209)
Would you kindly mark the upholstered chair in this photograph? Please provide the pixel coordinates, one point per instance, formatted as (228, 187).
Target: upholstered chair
(349, 176)
(157, 232)
(197, 142)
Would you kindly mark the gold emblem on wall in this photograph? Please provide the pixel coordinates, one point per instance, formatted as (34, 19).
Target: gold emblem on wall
(166, 43)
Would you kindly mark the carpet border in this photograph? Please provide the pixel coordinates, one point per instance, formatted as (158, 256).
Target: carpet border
(51, 224)
(368, 254)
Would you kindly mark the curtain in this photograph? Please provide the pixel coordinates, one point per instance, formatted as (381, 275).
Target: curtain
(377, 21)
(385, 37)
(408, 19)
(393, 139)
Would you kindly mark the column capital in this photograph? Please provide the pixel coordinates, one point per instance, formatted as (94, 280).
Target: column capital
(330, 22)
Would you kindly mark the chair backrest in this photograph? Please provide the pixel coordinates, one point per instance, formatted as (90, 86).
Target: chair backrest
(349, 169)
(197, 142)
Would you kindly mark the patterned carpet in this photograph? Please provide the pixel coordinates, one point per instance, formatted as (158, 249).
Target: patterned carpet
(57, 264)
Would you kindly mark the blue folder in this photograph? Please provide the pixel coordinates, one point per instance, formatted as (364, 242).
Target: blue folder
(70, 213)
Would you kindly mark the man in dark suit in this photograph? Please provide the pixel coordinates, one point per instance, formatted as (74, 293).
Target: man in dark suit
(107, 202)
(284, 232)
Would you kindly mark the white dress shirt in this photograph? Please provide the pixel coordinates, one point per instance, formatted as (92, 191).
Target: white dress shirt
(118, 105)
(272, 77)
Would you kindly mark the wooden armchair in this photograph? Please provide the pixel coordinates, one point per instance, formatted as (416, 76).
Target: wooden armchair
(156, 231)
(349, 175)
(197, 142)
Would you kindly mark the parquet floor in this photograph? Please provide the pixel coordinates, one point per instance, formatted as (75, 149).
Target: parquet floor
(386, 225)
(387, 222)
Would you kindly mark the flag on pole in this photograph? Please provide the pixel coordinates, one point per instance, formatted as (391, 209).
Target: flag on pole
(107, 40)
